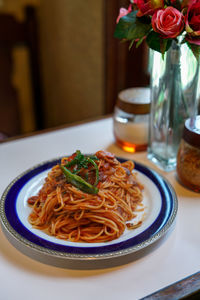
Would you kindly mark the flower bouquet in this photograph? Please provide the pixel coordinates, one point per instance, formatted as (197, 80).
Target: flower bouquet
(171, 29)
(159, 22)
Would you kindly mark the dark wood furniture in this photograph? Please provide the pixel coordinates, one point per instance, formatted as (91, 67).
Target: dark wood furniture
(124, 68)
(187, 288)
(12, 33)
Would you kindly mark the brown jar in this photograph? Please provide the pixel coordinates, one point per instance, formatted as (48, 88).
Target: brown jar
(188, 157)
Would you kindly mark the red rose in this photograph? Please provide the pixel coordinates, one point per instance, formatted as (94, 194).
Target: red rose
(193, 22)
(148, 7)
(169, 22)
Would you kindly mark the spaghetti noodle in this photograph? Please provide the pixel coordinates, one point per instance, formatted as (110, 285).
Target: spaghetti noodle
(67, 212)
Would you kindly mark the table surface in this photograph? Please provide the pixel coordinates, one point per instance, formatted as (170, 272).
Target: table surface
(175, 258)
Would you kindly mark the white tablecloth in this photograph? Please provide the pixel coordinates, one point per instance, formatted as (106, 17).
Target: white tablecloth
(176, 257)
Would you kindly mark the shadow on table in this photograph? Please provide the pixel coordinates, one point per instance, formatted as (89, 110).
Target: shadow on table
(72, 268)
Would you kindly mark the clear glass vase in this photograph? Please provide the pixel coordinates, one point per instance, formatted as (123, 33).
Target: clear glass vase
(174, 89)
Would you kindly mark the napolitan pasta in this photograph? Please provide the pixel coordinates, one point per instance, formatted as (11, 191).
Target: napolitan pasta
(88, 199)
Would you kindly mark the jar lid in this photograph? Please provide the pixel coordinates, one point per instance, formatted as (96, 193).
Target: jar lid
(191, 132)
(134, 100)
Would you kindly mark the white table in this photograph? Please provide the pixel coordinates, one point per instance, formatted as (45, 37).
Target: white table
(176, 257)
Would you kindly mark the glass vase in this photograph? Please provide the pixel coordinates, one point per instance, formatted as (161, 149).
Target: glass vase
(174, 89)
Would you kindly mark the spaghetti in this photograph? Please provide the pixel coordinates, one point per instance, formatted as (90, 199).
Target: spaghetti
(69, 213)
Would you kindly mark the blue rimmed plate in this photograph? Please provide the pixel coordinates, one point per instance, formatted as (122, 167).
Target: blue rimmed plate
(160, 204)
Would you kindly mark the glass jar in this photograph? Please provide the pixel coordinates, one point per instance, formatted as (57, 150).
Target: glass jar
(131, 119)
(188, 157)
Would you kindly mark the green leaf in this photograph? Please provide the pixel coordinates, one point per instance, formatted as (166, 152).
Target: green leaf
(157, 43)
(131, 44)
(195, 50)
(131, 28)
(139, 42)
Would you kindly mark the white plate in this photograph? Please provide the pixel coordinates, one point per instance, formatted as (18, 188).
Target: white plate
(160, 211)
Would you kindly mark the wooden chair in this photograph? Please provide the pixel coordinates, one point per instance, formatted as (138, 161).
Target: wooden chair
(12, 33)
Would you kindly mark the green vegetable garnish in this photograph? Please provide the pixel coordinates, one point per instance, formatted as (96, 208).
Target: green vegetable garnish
(78, 165)
(79, 182)
(77, 159)
(96, 170)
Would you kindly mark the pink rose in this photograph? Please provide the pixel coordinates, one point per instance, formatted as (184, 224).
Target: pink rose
(148, 7)
(193, 23)
(123, 12)
(168, 22)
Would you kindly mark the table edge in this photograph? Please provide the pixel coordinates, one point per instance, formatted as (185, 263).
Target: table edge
(185, 288)
(52, 129)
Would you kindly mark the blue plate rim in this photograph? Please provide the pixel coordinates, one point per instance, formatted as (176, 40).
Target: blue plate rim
(159, 227)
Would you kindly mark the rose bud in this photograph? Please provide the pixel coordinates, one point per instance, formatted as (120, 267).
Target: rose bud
(123, 12)
(148, 7)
